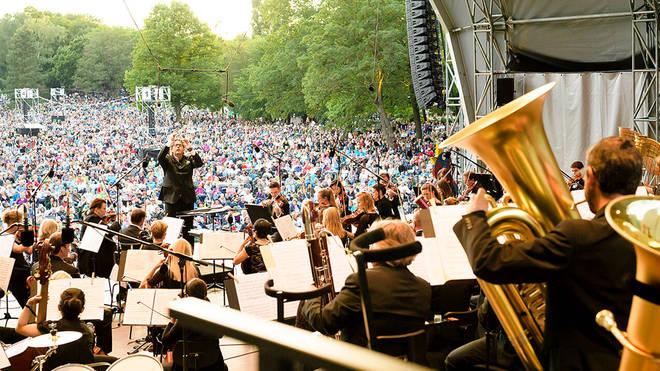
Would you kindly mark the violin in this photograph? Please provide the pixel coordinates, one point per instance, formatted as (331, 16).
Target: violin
(109, 216)
(352, 219)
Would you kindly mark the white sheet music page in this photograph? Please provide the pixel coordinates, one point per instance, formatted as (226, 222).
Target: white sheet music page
(94, 297)
(6, 244)
(174, 226)
(420, 265)
(583, 208)
(139, 263)
(454, 261)
(138, 307)
(164, 297)
(92, 239)
(289, 265)
(286, 228)
(219, 244)
(339, 263)
(6, 267)
(252, 298)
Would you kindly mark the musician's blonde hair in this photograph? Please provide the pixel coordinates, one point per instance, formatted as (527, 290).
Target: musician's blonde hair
(397, 233)
(367, 200)
(181, 246)
(332, 222)
(47, 228)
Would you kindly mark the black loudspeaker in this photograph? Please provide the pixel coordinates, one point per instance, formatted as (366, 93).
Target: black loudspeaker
(24, 105)
(425, 54)
(504, 91)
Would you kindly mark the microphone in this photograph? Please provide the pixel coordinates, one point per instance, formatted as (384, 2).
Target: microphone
(333, 151)
(67, 231)
(256, 148)
(228, 102)
(27, 235)
(145, 161)
(51, 172)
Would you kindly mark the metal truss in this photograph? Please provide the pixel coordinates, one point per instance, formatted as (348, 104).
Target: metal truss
(645, 67)
(455, 118)
(489, 51)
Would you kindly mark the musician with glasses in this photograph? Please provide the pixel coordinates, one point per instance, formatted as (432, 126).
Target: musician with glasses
(586, 264)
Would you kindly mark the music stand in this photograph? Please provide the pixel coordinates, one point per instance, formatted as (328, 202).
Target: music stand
(257, 212)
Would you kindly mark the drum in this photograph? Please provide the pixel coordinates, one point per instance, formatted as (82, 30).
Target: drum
(73, 367)
(142, 362)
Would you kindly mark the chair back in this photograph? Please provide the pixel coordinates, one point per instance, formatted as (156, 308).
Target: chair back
(201, 354)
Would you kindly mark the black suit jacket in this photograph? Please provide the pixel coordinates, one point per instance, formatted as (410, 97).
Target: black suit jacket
(587, 267)
(133, 231)
(387, 208)
(177, 180)
(393, 292)
(105, 259)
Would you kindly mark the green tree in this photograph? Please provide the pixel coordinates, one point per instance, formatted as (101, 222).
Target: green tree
(178, 40)
(357, 63)
(23, 69)
(104, 59)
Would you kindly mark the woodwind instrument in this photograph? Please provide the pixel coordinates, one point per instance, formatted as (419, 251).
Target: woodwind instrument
(319, 257)
(43, 276)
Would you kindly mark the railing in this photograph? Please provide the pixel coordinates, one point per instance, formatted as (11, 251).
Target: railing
(282, 347)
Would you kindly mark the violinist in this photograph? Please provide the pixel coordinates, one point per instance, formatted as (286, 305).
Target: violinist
(158, 233)
(134, 229)
(576, 182)
(386, 207)
(325, 199)
(102, 262)
(392, 192)
(332, 223)
(277, 204)
(21, 270)
(431, 194)
(471, 185)
(340, 196)
(367, 213)
(249, 254)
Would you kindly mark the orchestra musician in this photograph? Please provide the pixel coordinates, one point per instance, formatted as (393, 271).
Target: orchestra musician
(71, 304)
(471, 185)
(58, 256)
(332, 223)
(167, 274)
(275, 201)
(102, 262)
(401, 301)
(249, 254)
(134, 229)
(21, 271)
(178, 191)
(576, 182)
(392, 192)
(431, 194)
(366, 214)
(47, 227)
(158, 233)
(325, 199)
(586, 264)
(340, 196)
(385, 206)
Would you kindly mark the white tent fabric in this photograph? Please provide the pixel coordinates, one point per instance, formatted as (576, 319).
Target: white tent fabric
(582, 109)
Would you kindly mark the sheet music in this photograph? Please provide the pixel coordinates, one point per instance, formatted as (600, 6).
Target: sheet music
(286, 228)
(339, 262)
(174, 226)
(94, 297)
(583, 208)
(641, 191)
(6, 244)
(220, 244)
(252, 298)
(6, 267)
(162, 300)
(18, 347)
(4, 361)
(288, 265)
(92, 239)
(138, 263)
(138, 314)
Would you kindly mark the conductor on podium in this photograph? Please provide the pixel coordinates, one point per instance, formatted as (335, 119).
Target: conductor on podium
(178, 160)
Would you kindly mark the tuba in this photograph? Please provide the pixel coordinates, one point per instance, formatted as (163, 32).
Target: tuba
(512, 142)
(637, 219)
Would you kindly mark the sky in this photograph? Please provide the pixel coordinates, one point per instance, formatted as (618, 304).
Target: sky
(226, 18)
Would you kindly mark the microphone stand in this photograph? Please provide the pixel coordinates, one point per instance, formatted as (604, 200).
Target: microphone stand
(117, 184)
(398, 193)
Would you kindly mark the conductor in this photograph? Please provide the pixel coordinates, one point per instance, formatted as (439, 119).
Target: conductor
(178, 191)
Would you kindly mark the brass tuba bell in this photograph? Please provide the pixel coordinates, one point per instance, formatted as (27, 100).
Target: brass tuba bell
(512, 142)
(637, 219)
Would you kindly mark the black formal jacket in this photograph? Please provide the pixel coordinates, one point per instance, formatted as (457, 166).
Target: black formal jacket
(133, 231)
(105, 258)
(587, 267)
(387, 208)
(393, 291)
(177, 181)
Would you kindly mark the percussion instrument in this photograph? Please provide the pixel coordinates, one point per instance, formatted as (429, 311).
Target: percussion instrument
(142, 362)
(60, 338)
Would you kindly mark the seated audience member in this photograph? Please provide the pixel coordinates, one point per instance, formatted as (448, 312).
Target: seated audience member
(195, 288)
(400, 300)
(249, 255)
(166, 274)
